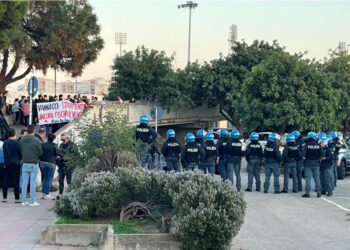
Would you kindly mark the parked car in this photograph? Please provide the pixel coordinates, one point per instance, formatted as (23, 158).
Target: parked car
(343, 161)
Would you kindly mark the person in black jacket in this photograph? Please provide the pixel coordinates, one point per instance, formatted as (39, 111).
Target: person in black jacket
(171, 151)
(147, 136)
(64, 171)
(48, 165)
(191, 153)
(300, 162)
(273, 159)
(336, 144)
(254, 154)
(291, 154)
(211, 154)
(326, 168)
(223, 154)
(235, 153)
(12, 157)
(312, 153)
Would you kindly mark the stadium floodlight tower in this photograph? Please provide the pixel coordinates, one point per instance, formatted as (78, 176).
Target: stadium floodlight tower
(190, 5)
(120, 39)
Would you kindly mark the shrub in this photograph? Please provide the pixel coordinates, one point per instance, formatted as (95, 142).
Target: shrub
(97, 196)
(208, 213)
(104, 140)
(205, 213)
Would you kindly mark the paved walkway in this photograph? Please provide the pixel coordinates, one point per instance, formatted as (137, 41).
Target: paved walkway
(21, 226)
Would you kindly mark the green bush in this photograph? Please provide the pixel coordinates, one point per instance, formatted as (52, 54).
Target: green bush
(205, 213)
(208, 213)
(103, 142)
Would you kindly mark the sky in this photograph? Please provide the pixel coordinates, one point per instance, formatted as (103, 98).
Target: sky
(312, 26)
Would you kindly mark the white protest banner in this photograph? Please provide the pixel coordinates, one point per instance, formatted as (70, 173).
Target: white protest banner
(58, 112)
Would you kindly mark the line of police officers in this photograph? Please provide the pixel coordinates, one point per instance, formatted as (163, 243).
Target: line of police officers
(317, 156)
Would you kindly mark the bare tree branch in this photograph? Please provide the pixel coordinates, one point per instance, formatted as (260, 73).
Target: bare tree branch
(14, 68)
(20, 76)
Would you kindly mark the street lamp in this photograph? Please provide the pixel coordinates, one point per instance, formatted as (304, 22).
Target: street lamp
(191, 5)
(120, 39)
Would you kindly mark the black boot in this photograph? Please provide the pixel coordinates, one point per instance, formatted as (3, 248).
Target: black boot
(277, 192)
(285, 191)
(248, 190)
(305, 196)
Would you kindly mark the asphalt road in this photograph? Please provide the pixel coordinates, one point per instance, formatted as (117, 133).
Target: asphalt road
(288, 221)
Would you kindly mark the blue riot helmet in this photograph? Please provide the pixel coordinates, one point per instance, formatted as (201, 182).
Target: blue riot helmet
(223, 132)
(330, 140)
(254, 136)
(312, 135)
(333, 135)
(296, 134)
(200, 134)
(235, 134)
(144, 119)
(290, 137)
(323, 139)
(272, 137)
(190, 137)
(209, 137)
(170, 133)
(321, 134)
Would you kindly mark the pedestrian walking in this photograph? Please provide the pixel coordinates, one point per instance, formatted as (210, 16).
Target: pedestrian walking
(273, 159)
(31, 153)
(12, 168)
(312, 153)
(235, 153)
(291, 154)
(211, 154)
(171, 151)
(48, 165)
(254, 154)
(191, 153)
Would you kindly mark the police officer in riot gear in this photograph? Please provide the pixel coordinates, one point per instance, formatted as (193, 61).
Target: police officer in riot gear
(147, 136)
(337, 146)
(235, 153)
(211, 154)
(200, 137)
(291, 154)
(171, 151)
(326, 167)
(300, 142)
(273, 159)
(223, 154)
(312, 153)
(254, 154)
(191, 153)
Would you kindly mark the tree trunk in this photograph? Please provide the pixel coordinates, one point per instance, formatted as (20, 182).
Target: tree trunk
(234, 122)
(5, 80)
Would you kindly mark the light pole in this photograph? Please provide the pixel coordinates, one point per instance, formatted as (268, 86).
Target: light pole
(190, 5)
(120, 39)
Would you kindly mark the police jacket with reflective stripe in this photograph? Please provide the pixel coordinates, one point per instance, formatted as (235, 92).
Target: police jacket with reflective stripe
(145, 133)
(271, 152)
(211, 151)
(312, 150)
(171, 148)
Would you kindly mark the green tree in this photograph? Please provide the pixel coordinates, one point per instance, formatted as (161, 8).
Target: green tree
(223, 78)
(337, 66)
(54, 34)
(11, 15)
(140, 73)
(285, 92)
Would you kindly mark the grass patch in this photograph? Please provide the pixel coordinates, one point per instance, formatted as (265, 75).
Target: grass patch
(126, 227)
